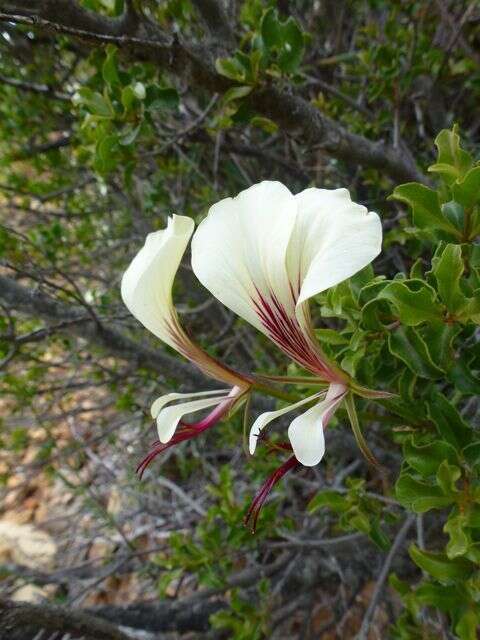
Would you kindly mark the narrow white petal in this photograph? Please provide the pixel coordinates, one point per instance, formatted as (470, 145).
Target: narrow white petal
(169, 417)
(333, 239)
(147, 283)
(306, 432)
(239, 249)
(267, 417)
(306, 436)
(162, 401)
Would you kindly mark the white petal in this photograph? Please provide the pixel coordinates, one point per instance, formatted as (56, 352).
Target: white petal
(263, 419)
(169, 417)
(333, 239)
(307, 438)
(162, 401)
(147, 283)
(306, 432)
(240, 248)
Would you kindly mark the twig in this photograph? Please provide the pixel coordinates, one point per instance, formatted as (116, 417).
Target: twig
(456, 36)
(377, 593)
(16, 616)
(34, 87)
(194, 62)
(342, 96)
(295, 543)
(168, 484)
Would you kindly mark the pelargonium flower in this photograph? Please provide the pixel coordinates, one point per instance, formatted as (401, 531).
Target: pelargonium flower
(264, 254)
(147, 292)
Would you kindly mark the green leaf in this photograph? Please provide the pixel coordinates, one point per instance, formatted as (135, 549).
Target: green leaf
(230, 68)
(474, 551)
(129, 135)
(414, 300)
(427, 458)
(471, 310)
(439, 337)
(236, 93)
(333, 499)
(371, 291)
(419, 496)
(406, 384)
(283, 37)
(447, 478)
(109, 67)
(361, 279)
(468, 626)
(440, 566)
(376, 315)
(455, 214)
(467, 191)
(448, 172)
(450, 425)
(353, 359)
(417, 270)
(474, 227)
(425, 207)
(459, 542)
(264, 123)
(270, 29)
(473, 516)
(293, 47)
(161, 98)
(444, 597)
(377, 536)
(97, 104)
(463, 378)
(448, 271)
(106, 146)
(330, 336)
(360, 521)
(105, 159)
(128, 97)
(401, 587)
(471, 453)
(451, 155)
(406, 344)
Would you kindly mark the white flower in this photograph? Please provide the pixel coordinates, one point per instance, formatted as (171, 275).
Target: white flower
(147, 292)
(265, 253)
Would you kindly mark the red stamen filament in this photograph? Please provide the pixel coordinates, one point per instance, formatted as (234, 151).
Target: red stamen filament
(259, 500)
(186, 431)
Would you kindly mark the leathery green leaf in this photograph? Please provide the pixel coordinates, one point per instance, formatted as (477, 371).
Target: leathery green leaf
(414, 301)
(440, 566)
(406, 344)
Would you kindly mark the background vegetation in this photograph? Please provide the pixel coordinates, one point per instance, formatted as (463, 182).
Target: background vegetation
(115, 114)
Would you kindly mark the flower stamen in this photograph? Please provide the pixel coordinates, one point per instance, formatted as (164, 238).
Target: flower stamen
(259, 500)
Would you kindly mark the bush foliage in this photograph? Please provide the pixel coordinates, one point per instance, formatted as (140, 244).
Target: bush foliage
(116, 114)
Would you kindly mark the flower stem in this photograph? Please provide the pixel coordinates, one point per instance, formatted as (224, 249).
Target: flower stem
(275, 392)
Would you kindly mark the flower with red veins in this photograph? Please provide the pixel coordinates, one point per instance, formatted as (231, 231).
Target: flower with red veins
(264, 254)
(147, 292)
